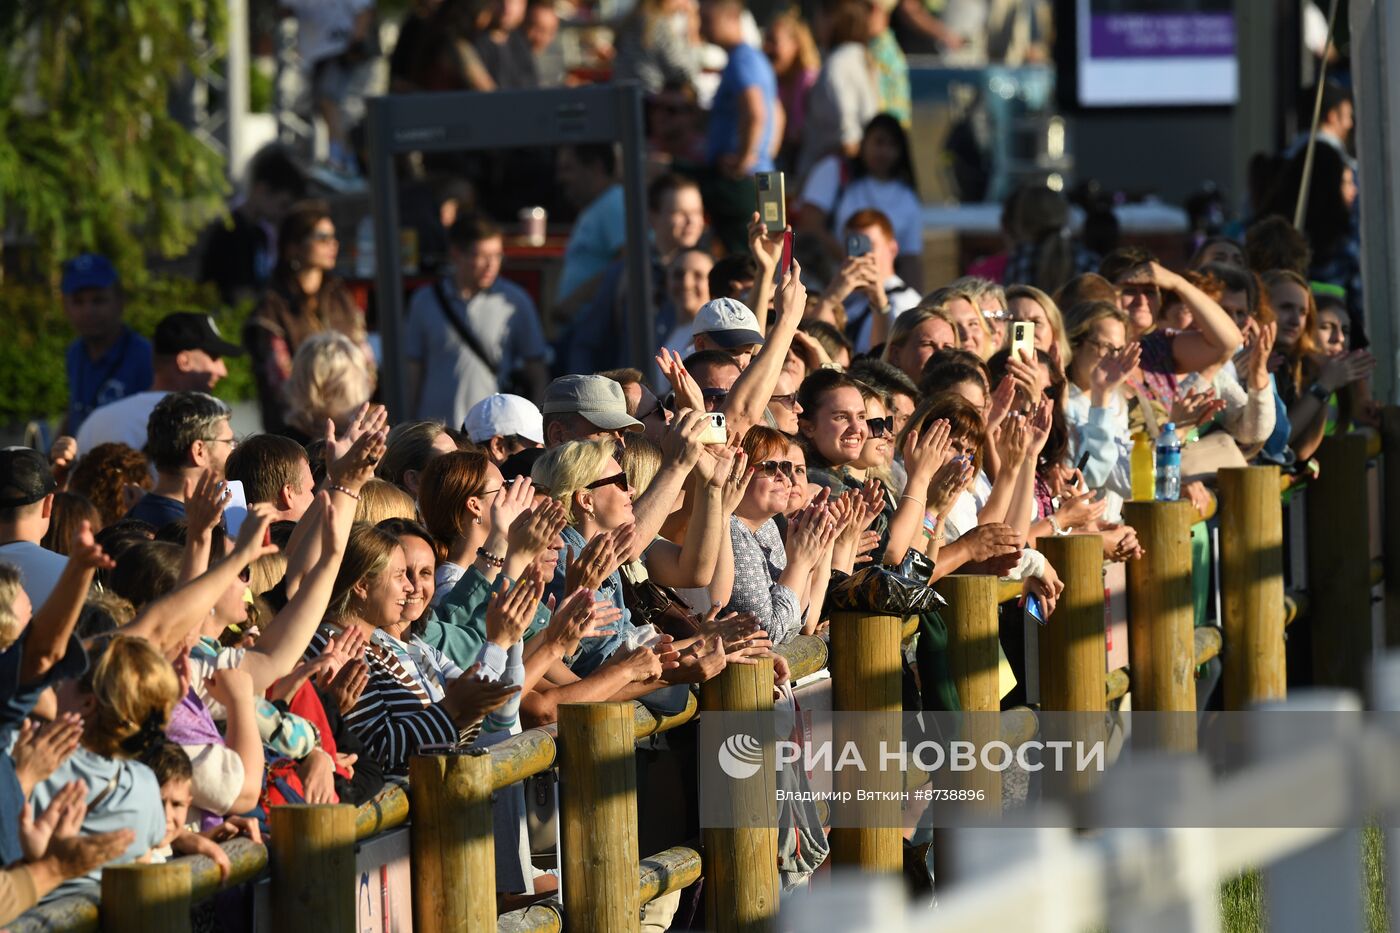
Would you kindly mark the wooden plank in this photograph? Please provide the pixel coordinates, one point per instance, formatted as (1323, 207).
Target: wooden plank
(1251, 568)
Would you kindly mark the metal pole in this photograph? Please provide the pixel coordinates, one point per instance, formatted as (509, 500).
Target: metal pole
(1301, 210)
(236, 89)
(640, 336)
(388, 276)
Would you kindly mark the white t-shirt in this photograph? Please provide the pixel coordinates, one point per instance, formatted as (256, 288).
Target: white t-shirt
(39, 569)
(324, 26)
(894, 199)
(122, 422)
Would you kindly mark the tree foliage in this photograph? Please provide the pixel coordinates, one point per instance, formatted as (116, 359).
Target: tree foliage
(90, 157)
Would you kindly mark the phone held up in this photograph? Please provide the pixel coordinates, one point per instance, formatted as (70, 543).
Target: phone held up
(857, 245)
(1023, 340)
(716, 431)
(772, 210)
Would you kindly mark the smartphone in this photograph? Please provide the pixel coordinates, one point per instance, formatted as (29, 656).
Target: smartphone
(715, 432)
(772, 200)
(237, 509)
(1034, 609)
(857, 245)
(1023, 338)
(785, 263)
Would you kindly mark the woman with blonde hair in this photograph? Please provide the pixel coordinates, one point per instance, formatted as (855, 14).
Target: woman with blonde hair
(380, 500)
(916, 336)
(960, 305)
(1029, 304)
(330, 380)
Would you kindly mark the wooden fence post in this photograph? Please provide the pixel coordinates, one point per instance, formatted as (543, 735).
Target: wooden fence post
(1251, 586)
(866, 679)
(1162, 620)
(1073, 652)
(741, 858)
(1339, 563)
(971, 617)
(1390, 547)
(598, 806)
(454, 852)
(313, 867)
(154, 898)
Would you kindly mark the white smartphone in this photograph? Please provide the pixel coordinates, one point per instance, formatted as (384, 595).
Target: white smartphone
(1023, 339)
(237, 509)
(715, 432)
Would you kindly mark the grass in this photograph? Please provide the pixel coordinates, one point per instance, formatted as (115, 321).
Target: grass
(1242, 907)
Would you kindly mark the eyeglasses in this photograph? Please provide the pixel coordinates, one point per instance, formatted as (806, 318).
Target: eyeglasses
(995, 314)
(1129, 290)
(1105, 349)
(232, 442)
(788, 401)
(879, 427)
(772, 468)
(617, 479)
(321, 236)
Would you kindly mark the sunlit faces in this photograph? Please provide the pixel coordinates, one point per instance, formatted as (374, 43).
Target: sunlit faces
(381, 598)
(1029, 310)
(176, 795)
(1236, 304)
(800, 492)
(994, 313)
(902, 409)
(971, 335)
(783, 405)
(478, 266)
(923, 342)
(974, 393)
(688, 283)
(1106, 337)
(1290, 303)
(837, 428)
(769, 494)
(1140, 301)
(680, 221)
(612, 502)
(1224, 253)
(1333, 331)
(420, 565)
(878, 448)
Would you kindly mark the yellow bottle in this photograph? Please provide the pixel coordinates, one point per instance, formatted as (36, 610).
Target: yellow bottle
(1144, 468)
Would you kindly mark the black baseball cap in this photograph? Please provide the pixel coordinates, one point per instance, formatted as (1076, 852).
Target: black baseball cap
(187, 330)
(25, 477)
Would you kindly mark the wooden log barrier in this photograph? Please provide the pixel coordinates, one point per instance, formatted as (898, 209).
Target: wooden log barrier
(598, 806)
(1073, 653)
(1339, 563)
(1390, 535)
(1251, 586)
(454, 854)
(154, 898)
(971, 617)
(741, 858)
(1161, 617)
(313, 867)
(866, 679)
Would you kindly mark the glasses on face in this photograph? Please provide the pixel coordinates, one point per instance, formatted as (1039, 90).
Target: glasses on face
(232, 442)
(771, 468)
(880, 427)
(321, 236)
(1104, 348)
(1140, 291)
(995, 314)
(617, 479)
(788, 401)
(714, 398)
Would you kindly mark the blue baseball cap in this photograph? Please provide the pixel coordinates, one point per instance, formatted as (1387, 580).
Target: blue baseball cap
(88, 270)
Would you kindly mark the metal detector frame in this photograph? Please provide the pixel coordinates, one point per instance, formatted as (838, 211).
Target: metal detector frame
(470, 121)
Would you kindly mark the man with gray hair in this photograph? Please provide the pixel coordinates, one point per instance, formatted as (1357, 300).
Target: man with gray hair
(188, 433)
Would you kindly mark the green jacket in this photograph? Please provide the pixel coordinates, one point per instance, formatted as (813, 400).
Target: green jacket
(457, 625)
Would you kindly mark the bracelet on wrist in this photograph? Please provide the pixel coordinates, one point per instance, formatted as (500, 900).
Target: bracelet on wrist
(336, 487)
(491, 560)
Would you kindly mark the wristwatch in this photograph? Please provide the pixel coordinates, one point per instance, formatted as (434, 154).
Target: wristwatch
(1318, 391)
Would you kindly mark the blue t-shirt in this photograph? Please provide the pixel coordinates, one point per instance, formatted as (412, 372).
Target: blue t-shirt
(16, 702)
(598, 236)
(158, 510)
(592, 652)
(123, 370)
(748, 67)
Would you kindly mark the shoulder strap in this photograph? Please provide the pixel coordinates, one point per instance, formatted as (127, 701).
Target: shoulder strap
(463, 331)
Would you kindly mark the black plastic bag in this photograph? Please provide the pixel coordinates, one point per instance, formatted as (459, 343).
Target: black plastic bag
(877, 589)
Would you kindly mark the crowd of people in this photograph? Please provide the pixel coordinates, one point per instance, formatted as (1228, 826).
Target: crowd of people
(199, 626)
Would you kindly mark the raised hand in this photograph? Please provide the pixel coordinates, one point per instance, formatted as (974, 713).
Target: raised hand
(792, 296)
(366, 420)
(205, 503)
(1346, 368)
(84, 550)
(688, 394)
(469, 698)
(1080, 511)
(925, 452)
(947, 484)
(1196, 407)
(736, 483)
(766, 248)
(347, 686)
(1000, 405)
(62, 455)
(1038, 427)
(1012, 441)
(581, 616)
(536, 531)
(600, 559)
(1112, 370)
(511, 608)
(1256, 362)
(348, 646)
(228, 685)
(252, 537)
(991, 541)
(351, 459)
(39, 750)
(682, 444)
(1027, 376)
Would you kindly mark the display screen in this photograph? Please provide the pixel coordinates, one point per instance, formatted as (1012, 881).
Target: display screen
(1155, 53)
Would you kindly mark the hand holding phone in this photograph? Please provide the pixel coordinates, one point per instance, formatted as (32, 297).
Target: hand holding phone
(1023, 340)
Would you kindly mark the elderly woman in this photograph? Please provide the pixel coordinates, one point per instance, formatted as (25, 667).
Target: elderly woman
(330, 380)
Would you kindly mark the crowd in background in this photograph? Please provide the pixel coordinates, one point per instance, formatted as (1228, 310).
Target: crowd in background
(200, 625)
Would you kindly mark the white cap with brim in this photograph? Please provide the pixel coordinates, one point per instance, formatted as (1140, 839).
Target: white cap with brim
(598, 399)
(728, 323)
(504, 416)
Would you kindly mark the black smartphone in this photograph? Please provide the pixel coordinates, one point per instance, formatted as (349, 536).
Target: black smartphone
(857, 245)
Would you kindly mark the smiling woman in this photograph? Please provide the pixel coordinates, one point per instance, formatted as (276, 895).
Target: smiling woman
(832, 425)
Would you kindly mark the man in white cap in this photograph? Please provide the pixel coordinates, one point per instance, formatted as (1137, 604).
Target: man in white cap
(579, 408)
(503, 425)
(728, 325)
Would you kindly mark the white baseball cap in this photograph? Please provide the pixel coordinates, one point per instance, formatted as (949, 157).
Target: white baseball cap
(503, 416)
(728, 323)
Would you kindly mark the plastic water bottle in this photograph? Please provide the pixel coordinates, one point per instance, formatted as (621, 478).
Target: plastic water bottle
(1143, 472)
(1168, 464)
(364, 247)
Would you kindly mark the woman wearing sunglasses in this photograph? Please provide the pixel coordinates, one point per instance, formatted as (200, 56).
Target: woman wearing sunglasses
(782, 583)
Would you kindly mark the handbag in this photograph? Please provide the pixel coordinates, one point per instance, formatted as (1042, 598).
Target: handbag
(1204, 457)
(658, 605)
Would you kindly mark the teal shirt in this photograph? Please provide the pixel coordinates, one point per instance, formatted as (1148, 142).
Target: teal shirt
(891, 77)
(457, 626)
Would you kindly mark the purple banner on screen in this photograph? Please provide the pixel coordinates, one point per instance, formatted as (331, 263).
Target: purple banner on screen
(1161, 35)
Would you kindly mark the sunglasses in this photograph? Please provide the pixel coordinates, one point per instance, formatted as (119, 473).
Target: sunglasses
(617, 479)
(788, 401)
(880, 427)
(774, 467)
(714, 398)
